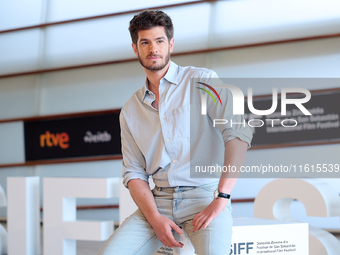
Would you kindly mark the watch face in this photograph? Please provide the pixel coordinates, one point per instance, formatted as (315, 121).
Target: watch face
(216, 193)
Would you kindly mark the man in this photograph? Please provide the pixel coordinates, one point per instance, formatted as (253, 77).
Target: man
(158, 141)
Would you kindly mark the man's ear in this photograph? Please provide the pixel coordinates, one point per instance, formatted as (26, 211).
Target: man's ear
(172, 43)
(134, 47)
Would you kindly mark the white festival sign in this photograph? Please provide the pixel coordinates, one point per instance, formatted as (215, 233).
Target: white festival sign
(320, 200)
(61, 228)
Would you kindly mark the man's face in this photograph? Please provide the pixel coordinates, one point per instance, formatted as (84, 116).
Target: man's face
(153, 48)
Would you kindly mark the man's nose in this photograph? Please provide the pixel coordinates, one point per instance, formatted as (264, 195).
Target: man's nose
(153, 48)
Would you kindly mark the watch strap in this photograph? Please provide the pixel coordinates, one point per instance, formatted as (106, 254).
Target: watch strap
(223, 195)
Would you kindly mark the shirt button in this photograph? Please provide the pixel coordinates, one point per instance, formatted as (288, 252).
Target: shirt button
(171, 182)
(167, 140)
(173, 161)
(163, 117)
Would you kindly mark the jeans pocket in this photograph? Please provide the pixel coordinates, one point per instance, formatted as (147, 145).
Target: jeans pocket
(209, 187)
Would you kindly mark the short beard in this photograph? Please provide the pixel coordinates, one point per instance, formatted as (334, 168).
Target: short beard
(156, 68)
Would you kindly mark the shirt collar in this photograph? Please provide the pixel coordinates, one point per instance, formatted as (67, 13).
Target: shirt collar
(172, 73)
(171, 76)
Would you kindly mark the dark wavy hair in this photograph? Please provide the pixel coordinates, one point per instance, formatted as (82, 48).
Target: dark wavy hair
(148, 19)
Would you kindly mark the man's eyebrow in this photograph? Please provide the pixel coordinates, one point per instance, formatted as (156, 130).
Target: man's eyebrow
(158, 38)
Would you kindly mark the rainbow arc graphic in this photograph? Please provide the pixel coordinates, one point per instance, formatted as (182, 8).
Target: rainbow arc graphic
(209, 93)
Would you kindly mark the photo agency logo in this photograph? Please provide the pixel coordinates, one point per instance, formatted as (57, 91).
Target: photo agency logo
(239, 102)
(204, 102)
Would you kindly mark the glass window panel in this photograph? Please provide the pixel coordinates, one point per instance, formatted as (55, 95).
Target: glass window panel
(242, 22)
(109, 39)
(191, 25)
(199, 60)
(88, 42)
(19, 13)
(12, 142)
(18, 97)
(89, 89)
(103, 169)
(65, 9)
(19, 51)
(310, 59)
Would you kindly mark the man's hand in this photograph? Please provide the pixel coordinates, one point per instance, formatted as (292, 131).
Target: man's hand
(203, 219)
(162, 227)
(143, 197)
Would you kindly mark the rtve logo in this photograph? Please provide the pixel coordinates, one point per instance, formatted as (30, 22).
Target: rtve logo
(55, 140)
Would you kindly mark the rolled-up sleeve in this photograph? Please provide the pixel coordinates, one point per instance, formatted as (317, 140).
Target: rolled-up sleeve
(231, 126)
(133, 159)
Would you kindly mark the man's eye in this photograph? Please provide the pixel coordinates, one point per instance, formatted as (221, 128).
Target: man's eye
(160, 41)
(144, 43)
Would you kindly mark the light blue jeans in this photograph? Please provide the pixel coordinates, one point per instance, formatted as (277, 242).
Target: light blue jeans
(180, 204)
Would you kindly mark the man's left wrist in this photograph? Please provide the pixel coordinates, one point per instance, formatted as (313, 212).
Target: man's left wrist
(219, 194)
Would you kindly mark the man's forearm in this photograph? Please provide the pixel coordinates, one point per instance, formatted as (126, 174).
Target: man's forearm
(143, 197)
(235, 152)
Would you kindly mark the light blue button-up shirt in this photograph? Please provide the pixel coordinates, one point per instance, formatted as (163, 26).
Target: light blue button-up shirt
(164, 143)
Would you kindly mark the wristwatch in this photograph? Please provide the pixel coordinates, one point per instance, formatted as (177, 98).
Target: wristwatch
(218, 194)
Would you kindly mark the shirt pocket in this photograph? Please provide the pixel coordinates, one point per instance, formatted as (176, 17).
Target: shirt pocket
(188, 121)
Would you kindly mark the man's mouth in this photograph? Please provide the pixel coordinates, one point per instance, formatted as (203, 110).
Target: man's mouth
(153, 57)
